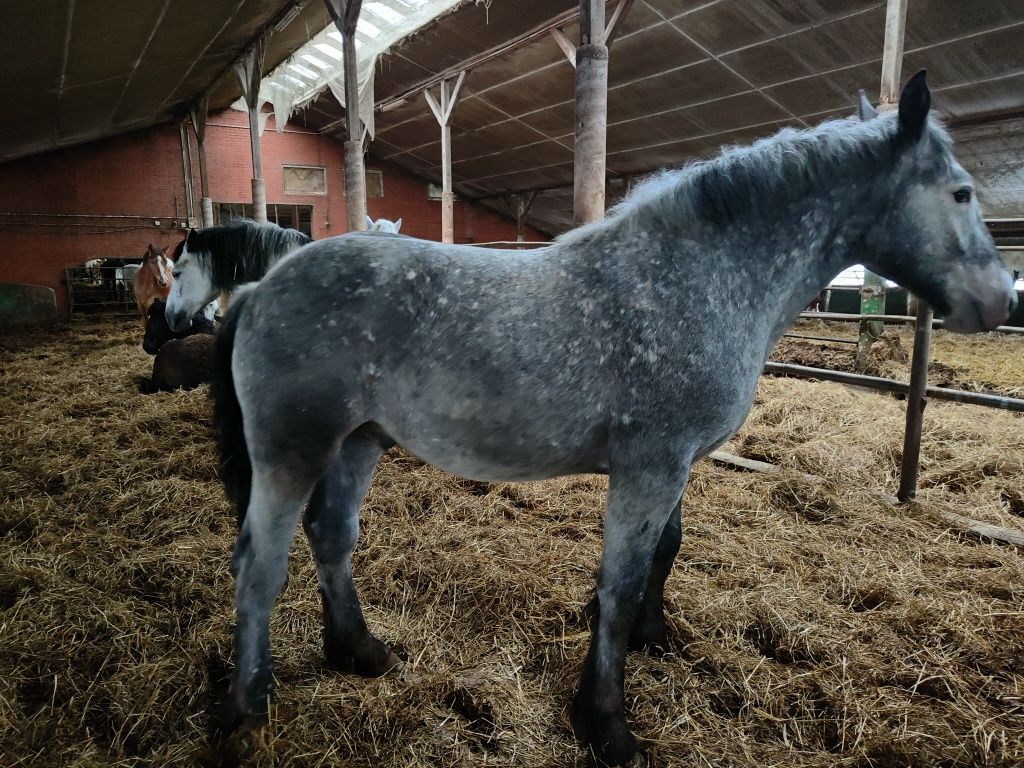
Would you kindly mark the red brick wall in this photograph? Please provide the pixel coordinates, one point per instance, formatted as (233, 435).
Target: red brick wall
(140, 175)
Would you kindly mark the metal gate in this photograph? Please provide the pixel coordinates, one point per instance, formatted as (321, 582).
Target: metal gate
(101, 288)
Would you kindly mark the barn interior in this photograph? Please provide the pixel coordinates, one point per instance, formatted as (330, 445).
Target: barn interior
(814, 619)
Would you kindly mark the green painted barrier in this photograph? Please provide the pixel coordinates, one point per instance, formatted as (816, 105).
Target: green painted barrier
(27, 305)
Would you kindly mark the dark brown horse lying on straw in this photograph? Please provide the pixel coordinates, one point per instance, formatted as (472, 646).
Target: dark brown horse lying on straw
(182, 357)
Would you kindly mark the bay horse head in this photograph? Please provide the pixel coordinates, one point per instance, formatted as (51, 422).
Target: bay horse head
(156, 260)
(932, 238)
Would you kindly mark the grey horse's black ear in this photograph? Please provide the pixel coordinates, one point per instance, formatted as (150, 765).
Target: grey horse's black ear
(864, 109)
(915, 101)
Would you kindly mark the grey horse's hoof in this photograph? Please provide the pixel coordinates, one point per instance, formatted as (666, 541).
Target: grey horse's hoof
(607, 735)
(367, 658)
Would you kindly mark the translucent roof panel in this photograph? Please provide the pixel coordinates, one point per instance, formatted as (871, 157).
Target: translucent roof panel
(318, 64)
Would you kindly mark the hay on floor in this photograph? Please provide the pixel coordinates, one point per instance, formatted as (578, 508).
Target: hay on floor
(813, 623)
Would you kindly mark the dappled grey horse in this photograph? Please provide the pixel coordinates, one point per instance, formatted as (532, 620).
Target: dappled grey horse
(630, 347)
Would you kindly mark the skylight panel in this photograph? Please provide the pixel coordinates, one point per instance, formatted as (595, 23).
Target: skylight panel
(294, 80)
(317, 64)
(304, 71)
(368, 29)
(315, 61)
(328, 50)
(381, 11)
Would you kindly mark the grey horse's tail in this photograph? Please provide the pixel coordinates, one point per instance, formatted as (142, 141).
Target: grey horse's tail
(235, 467)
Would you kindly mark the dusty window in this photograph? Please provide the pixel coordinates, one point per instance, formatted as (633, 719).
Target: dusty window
(305, 180)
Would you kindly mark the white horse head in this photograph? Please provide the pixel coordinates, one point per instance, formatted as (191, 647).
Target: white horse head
(383, 226)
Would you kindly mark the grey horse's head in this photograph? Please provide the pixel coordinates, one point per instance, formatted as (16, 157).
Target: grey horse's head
(932, 239)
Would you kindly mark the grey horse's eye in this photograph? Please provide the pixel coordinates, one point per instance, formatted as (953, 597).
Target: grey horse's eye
(176, 274)
(962, 195)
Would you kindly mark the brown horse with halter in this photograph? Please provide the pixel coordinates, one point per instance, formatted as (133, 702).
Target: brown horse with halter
(153, 280)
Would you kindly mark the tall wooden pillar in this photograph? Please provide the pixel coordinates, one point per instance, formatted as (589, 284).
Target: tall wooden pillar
(873, 292)
(443, 111)
(250, 73)
(519, 204)
(591, 115)
(889, 97)
(198, 113)
(345, 14)
(590, 58)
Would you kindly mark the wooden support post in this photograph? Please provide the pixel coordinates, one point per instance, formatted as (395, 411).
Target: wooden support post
(892, 54)
(916, 401)
(873, 295)
(589, 160)
(345, 14)
(519, 204)
(250, 72)
(186, 171)
(443, 111)
(872, 302)
(198, 113)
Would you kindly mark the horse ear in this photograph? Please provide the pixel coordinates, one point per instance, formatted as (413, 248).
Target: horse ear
(398, 224)
(864, 109)
(915, 101)
(369, 222)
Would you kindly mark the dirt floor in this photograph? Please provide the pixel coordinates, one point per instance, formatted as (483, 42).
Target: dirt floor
(814, 624)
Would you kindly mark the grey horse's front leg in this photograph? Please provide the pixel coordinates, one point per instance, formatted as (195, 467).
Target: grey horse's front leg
(640, 502)
(649, 632)
(332, 526)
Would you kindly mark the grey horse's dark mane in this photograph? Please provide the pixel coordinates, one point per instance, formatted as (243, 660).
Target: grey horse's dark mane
(764, 177)
(240, 251)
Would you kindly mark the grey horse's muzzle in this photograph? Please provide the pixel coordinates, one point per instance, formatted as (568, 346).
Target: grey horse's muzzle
(981, 299)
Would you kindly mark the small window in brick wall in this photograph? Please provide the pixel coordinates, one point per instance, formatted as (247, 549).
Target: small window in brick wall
(298, 217)
(305, 180)
(374, 183)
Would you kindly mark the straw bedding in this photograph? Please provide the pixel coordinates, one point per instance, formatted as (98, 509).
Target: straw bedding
(813, 624)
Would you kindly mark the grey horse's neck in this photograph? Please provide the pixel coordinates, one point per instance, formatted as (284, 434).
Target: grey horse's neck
(775, 221)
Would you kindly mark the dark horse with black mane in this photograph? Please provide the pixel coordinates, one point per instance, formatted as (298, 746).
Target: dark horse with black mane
(631, 346)
(158, 332)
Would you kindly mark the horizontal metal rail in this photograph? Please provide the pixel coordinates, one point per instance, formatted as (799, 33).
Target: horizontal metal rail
(852, 317)
(891, 385)
(819, 338)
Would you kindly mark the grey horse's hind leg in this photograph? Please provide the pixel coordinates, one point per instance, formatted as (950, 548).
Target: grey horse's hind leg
(332, 525)
(639, 506)
(260, 563)
(649, 632)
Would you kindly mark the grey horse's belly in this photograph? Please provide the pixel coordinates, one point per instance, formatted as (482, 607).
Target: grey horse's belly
(494, 442)
(462, 460)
